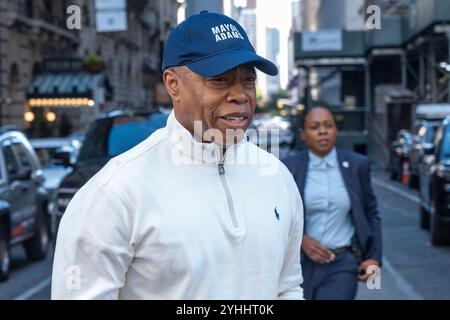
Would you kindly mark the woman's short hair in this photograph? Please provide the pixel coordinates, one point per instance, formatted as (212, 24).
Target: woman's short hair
(307, 111)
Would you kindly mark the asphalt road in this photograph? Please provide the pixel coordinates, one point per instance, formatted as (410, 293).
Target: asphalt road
(28, 280)
(413, 268)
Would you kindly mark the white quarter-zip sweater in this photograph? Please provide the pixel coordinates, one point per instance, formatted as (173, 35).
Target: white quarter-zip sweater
(170, 219)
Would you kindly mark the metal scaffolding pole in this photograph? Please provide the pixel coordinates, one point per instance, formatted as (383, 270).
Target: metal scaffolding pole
(367, 91)
(432, 72)
(404, 70)
(2, 10)
(422, 76)
(448, 58)
(307, 89)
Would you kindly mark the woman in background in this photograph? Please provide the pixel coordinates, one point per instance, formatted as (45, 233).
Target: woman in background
(342, 239)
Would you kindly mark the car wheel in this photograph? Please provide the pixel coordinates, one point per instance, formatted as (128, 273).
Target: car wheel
(395, 169)
(5, 259)
(438, 236)
(36, 248)
(393, 175)
(424, 218)
(413, 181)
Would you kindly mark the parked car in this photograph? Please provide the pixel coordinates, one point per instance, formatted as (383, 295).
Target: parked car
(266, 130)
(56, 155)
(106, 138)
(423, 137)
(399, 154)
(24, 217)
(52, 153)
(427, 118)
(435, 186)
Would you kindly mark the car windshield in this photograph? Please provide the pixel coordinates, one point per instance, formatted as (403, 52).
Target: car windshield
(47, 155)
(430, 134)
(445, 144)
(107, 139)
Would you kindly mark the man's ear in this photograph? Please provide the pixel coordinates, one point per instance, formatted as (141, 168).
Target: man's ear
(172, 83)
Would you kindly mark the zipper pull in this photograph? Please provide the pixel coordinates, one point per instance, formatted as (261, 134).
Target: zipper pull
(221, 168)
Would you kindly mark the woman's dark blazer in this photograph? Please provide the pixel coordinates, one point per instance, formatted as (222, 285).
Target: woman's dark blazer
(355, 170)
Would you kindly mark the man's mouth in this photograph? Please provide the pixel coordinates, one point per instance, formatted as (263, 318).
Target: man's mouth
(235, 121)
(234, 118)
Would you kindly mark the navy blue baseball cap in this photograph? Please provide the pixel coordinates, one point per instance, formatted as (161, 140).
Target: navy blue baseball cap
(210, 44)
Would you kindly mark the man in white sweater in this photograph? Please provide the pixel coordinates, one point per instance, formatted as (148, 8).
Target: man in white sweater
(194, 211)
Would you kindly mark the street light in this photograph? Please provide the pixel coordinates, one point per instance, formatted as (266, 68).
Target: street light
(50, 116)
(29, 116)
(445, 65)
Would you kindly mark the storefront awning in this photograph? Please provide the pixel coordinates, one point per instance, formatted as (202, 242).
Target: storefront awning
(63, 85)
(67, 89)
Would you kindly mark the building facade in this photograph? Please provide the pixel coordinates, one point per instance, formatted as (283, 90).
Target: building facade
(247, 18)
(332, 14)
(196, 6)
(43, 61)
(272, 52)
(296, 26)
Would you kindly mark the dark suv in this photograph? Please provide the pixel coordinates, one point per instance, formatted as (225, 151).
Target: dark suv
(435, 186)
(23, 200)
(106, 138)
(399, 154)
(424, 133)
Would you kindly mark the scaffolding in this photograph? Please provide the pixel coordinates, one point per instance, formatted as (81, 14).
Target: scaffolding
(411, 54)
(428, 65)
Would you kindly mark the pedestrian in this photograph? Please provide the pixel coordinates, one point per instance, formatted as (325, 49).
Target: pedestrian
(342, 239)
(186, 214)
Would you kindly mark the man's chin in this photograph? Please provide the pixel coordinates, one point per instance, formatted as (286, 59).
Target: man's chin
(231, 137)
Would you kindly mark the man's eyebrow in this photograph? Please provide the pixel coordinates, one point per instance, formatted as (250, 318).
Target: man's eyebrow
(247, 67)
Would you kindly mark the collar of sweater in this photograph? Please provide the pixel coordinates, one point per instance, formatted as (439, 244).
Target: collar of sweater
(186, 147)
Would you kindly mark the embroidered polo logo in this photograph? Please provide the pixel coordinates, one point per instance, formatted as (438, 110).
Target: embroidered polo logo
(277, 215)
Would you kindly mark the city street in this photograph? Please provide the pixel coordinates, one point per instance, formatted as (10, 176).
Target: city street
(92, 82)
(413, 268)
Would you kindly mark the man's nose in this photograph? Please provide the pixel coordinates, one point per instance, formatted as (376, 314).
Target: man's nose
(237, 93)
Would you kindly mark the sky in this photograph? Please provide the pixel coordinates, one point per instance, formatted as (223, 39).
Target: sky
(277, 14)
(272, 14)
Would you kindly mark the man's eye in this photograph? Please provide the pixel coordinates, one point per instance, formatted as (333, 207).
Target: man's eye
(219, 79)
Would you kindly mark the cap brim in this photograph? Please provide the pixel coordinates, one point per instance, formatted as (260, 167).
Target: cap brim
(220, 63)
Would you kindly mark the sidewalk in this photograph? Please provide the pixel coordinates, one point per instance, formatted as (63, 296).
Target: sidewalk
(393, 284)
(392, 287)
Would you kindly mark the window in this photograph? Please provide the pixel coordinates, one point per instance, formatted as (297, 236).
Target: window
(12, 166)
(126, 133)
(23, 156)
(111, 137)
(14, 82)
(48, 6)
(350, 120)
(444, 152)
(429, 134)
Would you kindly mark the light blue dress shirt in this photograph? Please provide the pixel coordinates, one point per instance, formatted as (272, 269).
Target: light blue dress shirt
(327, 204)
